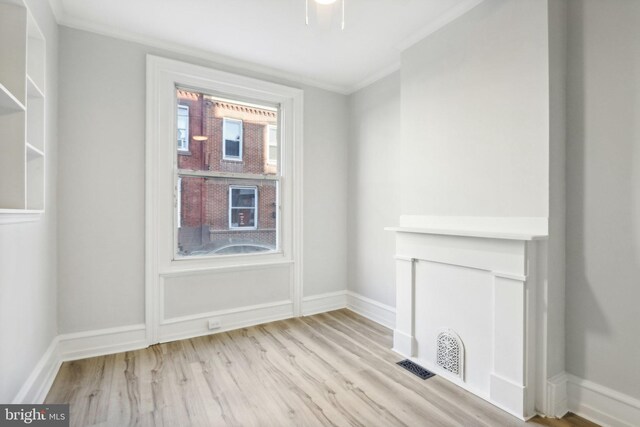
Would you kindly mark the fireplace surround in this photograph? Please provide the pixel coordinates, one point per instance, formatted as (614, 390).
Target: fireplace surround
(479, 279)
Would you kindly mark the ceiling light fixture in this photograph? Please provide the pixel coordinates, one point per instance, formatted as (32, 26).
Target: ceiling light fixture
(324, 2)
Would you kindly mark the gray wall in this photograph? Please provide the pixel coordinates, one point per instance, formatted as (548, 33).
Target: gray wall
(374, 202)
(102, 123)
(464, 126)
(28, 252)
(475, 115)
(603, 194)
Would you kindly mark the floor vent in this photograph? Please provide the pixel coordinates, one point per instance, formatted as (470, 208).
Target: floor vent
(416, 369)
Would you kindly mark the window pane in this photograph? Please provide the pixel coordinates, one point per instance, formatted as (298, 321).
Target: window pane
(244, 135)
(183, 127)
(273, 154)
(221, 216)
(243, 197)
(273, 145)
(232, 148)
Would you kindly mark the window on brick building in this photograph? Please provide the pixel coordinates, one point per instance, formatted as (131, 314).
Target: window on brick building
(272, 149)
(183, 128)
(243, 207)
(232, 139)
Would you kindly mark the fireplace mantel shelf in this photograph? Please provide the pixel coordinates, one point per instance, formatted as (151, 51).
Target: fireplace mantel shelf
(488, 234)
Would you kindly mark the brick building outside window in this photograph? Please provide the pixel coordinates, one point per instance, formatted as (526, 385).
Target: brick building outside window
(236, 211)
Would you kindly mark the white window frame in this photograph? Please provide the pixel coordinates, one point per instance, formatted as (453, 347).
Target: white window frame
(186, 147)
(161, 173)
(224, 139)
(179, 202)
(255, 208)
(269, 145)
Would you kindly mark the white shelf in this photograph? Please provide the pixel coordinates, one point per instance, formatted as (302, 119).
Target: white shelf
(33, 152)
(469, 233)
(8, 102)
(33, 91)
(13, 216)
(22, 114)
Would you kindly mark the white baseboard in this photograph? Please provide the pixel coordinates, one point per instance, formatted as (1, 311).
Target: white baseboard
(75, 346)
(81, 345)
(324, 302)
(179, 328)
(404, 344)
(602, 404)
(557, 403)
(37, 385)
(371, 309)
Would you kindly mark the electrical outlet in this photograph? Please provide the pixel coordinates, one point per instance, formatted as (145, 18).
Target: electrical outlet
(214, 324)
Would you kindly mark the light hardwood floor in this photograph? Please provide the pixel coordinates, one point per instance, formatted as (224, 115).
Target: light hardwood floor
(331, 369)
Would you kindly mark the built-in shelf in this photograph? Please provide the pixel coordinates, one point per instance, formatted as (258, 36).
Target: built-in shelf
(8, 102)
(33, 91)
(33, 152)
(22, 114)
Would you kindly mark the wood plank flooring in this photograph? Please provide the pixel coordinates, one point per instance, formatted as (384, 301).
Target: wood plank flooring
(331, 369)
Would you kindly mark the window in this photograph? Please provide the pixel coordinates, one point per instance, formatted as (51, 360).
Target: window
(272, 148)
(232, 139)
(183, 128)
(243, 207)
(204, 244)
(228, 207)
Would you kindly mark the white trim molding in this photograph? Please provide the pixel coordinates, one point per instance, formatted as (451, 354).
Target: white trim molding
(81, 345)
(601, 404)
(372, 309)
(324, 302)
(163, 75)
(557, 404)
(74, 346)
(15, 216)
(184, 327)
(501, 259)
(449, 16)
(37, 385)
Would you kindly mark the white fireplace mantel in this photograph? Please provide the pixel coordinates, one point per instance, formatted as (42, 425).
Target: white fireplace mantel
(477, 277)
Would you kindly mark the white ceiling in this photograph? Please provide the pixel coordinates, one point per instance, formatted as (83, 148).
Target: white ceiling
(272, 33)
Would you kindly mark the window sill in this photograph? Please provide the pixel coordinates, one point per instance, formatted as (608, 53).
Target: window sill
(184, 153)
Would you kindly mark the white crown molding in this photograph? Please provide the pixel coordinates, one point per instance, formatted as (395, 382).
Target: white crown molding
(444, 19)
(63, 19)
(238, 64)
(374, 77)
(57, 8)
